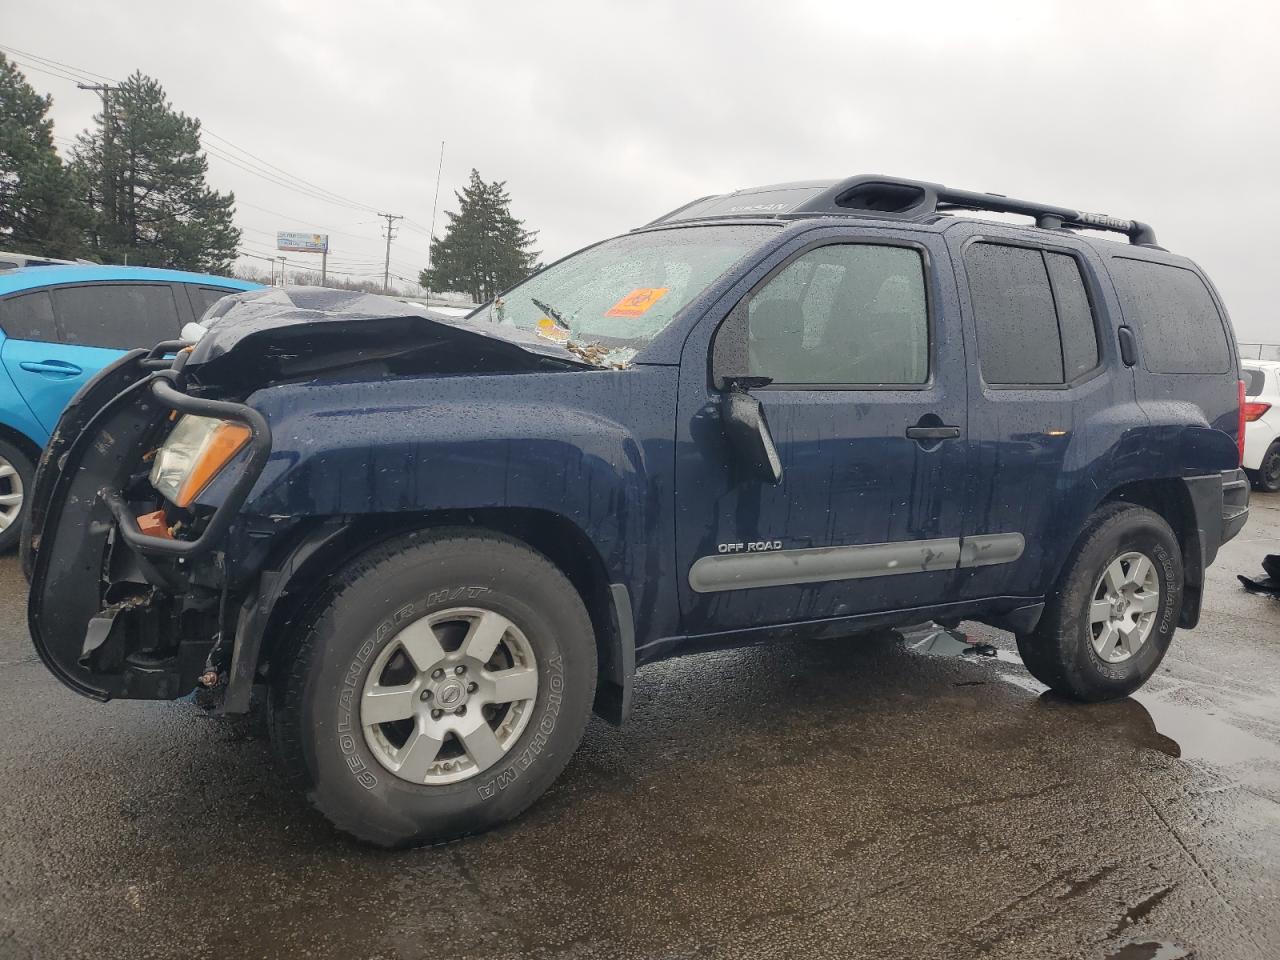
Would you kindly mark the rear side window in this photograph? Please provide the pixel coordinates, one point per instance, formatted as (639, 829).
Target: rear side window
(205, 297)
(1254, 381)
(1035, 325)
(28, 316)
(117, 315)
(1075, 316)
(1179, 328)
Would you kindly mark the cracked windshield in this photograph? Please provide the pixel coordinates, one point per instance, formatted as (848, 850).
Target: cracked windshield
(612, 299)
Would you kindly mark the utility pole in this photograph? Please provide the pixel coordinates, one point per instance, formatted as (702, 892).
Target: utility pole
(431, 236)
(283, 284)
(104, 90)
(391, 218)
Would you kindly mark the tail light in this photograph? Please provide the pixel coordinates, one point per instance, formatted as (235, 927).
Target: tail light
(1253, 410)
(1242, 419)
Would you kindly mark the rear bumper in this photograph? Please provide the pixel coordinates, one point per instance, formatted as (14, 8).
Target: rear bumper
(1258, 437)
(1235, 504)
(112, 611)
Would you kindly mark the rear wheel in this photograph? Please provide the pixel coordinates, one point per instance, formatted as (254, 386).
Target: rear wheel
(1109, 623)
(16, 472)
(1267, 477)
(442, 686)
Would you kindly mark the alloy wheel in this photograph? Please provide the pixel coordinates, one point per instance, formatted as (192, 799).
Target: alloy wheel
(449, 695)
(10, 493)
(1123, 610)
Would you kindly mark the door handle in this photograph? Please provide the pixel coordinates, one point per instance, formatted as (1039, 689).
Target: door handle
(1128, 346)
(51, 368)
(943, 432)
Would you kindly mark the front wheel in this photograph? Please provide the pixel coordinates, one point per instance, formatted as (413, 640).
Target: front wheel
(1108, 624)
(442, 686)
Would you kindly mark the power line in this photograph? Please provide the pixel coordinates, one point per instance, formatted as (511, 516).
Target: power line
(266, 163)
(58, 63)
(237, 156)
(262, 168)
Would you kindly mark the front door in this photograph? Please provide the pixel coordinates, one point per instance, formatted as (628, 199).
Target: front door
(867, 408)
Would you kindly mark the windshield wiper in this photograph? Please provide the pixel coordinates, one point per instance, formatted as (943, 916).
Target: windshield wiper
(551, 312)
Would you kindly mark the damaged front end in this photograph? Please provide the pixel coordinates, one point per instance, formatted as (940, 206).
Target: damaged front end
(126, 591)
(137, 588)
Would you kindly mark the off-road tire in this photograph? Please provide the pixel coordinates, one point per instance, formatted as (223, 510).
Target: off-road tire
(320, 673)
(25, 476)
(1060, 652)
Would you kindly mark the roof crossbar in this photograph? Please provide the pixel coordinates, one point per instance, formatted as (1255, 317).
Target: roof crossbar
(897, 198)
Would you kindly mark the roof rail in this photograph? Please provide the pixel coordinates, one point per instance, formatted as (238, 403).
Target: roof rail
(896, 198)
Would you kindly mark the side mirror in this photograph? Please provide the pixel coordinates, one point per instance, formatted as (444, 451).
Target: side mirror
(748, 431)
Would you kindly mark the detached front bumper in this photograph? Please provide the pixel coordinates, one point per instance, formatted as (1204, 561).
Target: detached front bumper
(113, 611)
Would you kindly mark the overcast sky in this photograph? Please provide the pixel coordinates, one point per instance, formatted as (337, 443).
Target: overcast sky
(602, 115)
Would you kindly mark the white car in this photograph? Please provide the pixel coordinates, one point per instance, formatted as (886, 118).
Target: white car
(1262, 423)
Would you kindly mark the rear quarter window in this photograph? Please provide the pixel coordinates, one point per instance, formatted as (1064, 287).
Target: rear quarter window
(205, 297)
(28, 316)
(1179, 327)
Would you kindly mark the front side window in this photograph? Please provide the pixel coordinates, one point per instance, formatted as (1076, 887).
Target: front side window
(122, 316)
(844, 314)
(622, 293)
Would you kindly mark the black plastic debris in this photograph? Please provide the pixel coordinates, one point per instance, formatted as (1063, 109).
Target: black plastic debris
(1271, 583)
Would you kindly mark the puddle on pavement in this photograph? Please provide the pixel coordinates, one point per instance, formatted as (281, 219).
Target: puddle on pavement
(1176, 729)
(1150, 950)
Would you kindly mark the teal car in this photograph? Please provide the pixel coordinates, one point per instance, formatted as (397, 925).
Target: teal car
(60, 325)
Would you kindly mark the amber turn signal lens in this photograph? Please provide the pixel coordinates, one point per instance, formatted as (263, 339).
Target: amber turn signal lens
(224, 443)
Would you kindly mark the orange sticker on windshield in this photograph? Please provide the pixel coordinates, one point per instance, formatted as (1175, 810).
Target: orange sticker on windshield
(551, 330)
(637, 302)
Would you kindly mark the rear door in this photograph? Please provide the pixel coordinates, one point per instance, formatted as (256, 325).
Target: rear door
(858, 334)
(1051, 407)
(70, 333)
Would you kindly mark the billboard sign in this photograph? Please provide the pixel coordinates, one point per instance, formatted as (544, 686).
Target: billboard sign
(303, 242)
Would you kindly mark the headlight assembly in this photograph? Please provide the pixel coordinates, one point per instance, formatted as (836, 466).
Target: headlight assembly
(197, 448)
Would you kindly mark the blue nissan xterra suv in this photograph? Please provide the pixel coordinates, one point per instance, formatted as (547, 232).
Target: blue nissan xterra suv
(802, 410)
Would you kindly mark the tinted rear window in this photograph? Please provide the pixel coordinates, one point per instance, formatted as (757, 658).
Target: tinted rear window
(206, 297)
(28, 316)
(1179, 329)
(1018, 340)
(1254, 381)
(118, 315)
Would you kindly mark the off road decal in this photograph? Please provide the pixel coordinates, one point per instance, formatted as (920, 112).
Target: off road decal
(637, 302)
(542, 733)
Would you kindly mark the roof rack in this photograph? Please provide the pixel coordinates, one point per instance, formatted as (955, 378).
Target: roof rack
(891, 198)
(911, 199)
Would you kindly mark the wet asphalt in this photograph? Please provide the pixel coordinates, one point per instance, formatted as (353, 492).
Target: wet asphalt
(859, 798)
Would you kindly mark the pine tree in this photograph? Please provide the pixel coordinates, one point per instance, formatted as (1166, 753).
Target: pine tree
(484, 249)
(145, 174)
(39, 213)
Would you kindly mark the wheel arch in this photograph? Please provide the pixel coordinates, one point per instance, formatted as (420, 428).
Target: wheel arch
(21, 441)
(1170, 498)
(294, 580)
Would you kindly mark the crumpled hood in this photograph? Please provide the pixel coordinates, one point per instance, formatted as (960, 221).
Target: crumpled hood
(265, 336)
